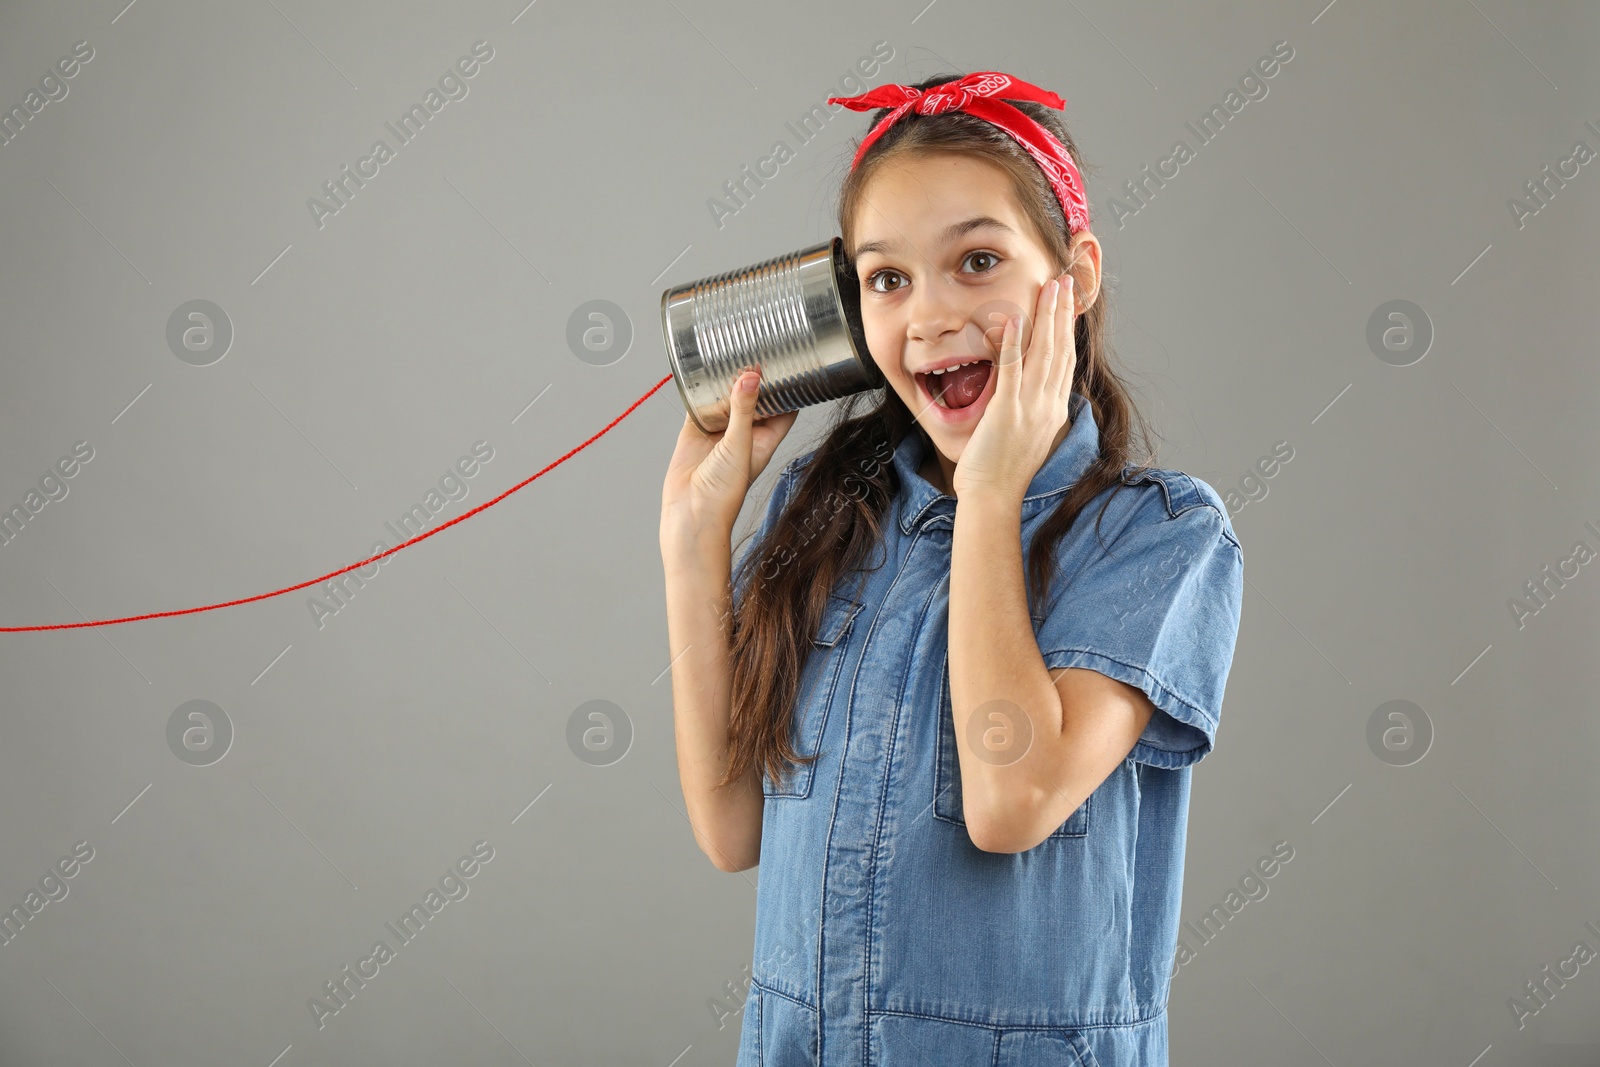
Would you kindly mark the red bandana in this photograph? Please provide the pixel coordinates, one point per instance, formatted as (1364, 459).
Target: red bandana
(979, 94)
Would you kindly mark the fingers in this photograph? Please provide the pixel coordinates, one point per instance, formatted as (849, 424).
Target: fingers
(741, 413)
(1040, 358)
(1041, 354)
(1066, 355)
(1009, 366)
(994, 336)
(765, 437)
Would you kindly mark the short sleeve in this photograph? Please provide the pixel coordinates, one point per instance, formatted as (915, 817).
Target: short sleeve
(1160, 612)
(775, 505)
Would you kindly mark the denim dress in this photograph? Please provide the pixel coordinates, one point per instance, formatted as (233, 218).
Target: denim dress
(883, 936)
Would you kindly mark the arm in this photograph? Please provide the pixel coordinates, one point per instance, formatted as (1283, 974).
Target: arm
(705, 488)
(1083, 724)
(726, 821)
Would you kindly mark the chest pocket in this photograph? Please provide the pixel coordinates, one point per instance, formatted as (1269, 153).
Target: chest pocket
(818, 680)
(947, 770)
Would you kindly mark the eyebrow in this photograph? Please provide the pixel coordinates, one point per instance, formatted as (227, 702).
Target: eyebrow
(951, 233)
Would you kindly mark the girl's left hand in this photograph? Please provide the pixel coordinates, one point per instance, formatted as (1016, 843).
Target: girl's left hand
(1030, 403)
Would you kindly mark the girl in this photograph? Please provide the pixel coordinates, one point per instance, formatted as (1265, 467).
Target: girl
(966, 780)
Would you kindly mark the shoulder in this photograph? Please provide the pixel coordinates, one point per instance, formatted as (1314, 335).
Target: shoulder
(797, 466)
(795, 470)
(1173, 496)
(854, 461)
(1154, 505)
(791, 474)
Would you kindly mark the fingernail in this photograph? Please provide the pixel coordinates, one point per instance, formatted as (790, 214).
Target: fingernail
(748, 382)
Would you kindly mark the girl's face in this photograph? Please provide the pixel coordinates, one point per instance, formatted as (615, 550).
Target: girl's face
(944, 254)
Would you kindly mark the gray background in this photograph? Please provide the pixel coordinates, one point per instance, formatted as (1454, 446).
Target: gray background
(370, 354)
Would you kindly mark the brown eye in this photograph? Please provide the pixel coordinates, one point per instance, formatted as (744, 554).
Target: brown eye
(872, 279)
(984, 255)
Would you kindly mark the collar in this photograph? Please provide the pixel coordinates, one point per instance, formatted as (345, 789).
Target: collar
(920, 501)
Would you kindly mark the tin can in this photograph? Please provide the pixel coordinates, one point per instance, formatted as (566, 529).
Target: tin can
(797, 317)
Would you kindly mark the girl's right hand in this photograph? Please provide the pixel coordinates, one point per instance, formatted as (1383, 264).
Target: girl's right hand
(710, 474)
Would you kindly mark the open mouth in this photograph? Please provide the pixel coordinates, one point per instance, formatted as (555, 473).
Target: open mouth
(957, 387)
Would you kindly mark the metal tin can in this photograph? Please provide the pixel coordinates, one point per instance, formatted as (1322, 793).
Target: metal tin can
(797, 317)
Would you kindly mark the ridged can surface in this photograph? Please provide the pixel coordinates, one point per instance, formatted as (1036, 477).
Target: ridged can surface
(797, 317)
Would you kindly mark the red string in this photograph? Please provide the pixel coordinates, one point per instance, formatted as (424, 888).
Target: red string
(361, 563)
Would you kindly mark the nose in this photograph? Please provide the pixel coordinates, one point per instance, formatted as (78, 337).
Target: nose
(935, 311)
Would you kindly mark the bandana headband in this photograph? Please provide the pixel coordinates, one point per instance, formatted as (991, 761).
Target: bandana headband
(979, 94)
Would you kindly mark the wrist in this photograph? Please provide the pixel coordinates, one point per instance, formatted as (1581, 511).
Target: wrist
(990, 501)
(697, 550)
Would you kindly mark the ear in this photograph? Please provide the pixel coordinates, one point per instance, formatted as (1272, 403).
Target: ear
(1083, 260)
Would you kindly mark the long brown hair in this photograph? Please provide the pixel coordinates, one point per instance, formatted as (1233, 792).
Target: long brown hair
(838, 507)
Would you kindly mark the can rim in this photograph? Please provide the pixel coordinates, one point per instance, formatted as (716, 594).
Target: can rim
(673, 363)
(849, 300)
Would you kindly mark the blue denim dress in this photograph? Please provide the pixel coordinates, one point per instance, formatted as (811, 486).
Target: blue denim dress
(884, 937)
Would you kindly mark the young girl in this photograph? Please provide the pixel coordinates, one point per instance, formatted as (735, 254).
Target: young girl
(973, 651)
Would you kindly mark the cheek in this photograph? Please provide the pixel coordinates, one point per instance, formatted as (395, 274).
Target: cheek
(881, 347)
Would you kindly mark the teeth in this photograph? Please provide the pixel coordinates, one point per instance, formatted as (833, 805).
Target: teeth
(958, 365)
